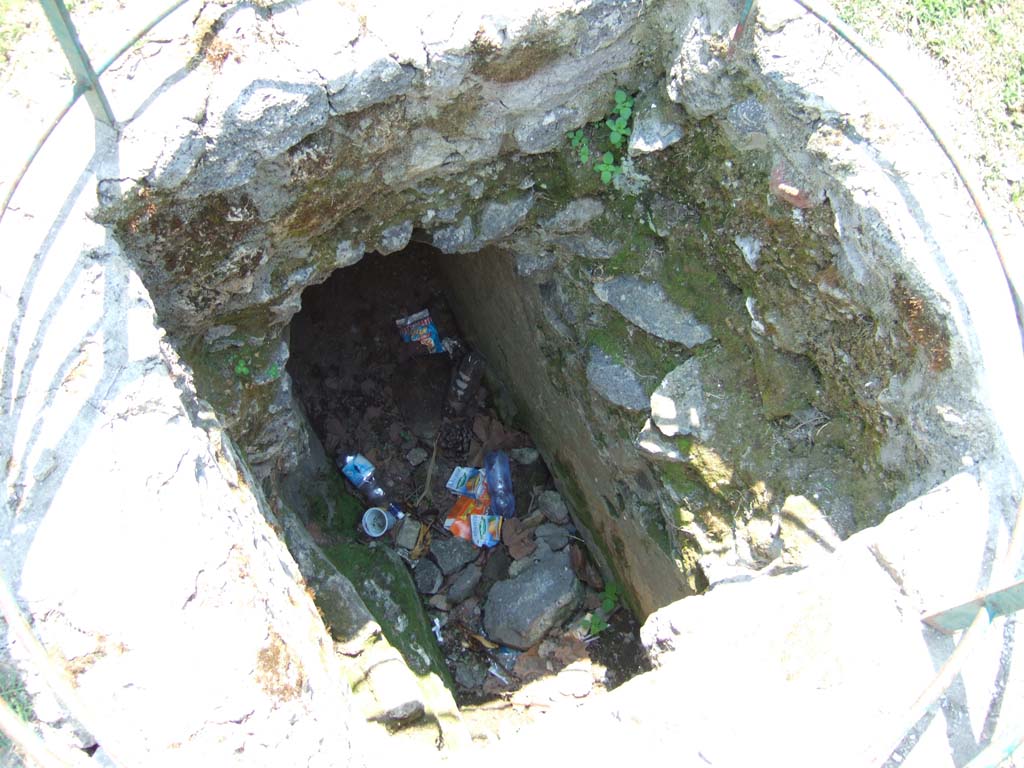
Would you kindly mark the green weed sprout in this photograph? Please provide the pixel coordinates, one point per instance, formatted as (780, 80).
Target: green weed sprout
(607, 168)
(597, 622)
(618, 123)
(242, 367)
(580, 144)
(618, 127)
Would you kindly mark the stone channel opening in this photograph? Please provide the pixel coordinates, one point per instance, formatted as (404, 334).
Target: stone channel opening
(367, 391)
(732, 315)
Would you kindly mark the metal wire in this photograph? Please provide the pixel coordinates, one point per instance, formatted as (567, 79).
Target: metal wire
(77, 94)
(979, 627)
(55, 677)
(948, 148)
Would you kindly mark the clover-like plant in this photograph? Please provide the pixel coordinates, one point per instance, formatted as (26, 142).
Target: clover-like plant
(580, 144)
(607, 168)
(618, 123)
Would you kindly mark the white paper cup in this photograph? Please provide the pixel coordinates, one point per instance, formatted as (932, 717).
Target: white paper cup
(377, 521)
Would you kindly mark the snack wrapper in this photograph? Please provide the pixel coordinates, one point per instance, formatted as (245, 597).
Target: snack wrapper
(419, 328)
(468, 519)
(467, 481)
(457, 520)
(486, 529)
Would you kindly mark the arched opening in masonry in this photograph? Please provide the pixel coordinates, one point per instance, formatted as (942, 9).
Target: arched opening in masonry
(404, 406)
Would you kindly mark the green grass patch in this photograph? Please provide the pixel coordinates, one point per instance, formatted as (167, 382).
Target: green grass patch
(979, 45)
(16, 18)
(12, 691)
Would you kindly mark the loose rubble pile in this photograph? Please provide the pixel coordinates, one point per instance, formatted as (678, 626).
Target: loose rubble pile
(529, 604)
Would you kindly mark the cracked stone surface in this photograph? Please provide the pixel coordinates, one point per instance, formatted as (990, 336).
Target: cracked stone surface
(298, 137)
(646, 305)
(615, 382)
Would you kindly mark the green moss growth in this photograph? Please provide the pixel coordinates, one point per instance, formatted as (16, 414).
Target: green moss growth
(333, 507)
(17, 698)
(680, 480)
(190, 239)
(612, 338)
(654, 525)
(648, 356)
(787, 383)
(384, 584)
(348, 511)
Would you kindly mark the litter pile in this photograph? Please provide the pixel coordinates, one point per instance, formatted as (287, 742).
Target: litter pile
(467, 502)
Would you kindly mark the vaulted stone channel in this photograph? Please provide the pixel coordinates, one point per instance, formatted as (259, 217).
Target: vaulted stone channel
(365, 390)
(733, 338)
(720, 354)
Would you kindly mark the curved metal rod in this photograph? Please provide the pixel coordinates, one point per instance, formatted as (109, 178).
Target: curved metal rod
(948, 672)
(138, 36)
(948, 149)
(1011, 557)
(55, 677)
(995, 753)
(74, 99)
(30, 744)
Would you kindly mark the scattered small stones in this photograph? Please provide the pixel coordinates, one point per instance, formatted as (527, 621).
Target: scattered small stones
(408, 533)
(427, 576)
(440, 602)
(417, 456)
(555, 537)
(465, 583)
(470, 672)
(369, 392)
(452, 553)
(553, 507)
(468, 613)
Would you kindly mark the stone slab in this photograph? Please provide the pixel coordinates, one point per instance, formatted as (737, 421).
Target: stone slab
(647, 306)
(616, 383)
(678, 406)
(520, 611)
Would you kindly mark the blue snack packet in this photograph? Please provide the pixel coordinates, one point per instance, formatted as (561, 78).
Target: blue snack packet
(419, 328)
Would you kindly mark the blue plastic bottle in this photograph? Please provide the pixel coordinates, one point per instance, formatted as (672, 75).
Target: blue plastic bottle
(359, 471)
(499, 483)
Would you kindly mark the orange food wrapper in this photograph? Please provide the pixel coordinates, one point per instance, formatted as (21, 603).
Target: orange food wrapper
(468, 519)
(457, 520)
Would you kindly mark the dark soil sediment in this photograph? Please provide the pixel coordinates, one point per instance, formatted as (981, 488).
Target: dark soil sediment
(367, 391)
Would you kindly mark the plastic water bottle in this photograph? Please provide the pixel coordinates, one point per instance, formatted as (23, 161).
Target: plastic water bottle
(465, 382)
(499, 483)
(358, 470)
